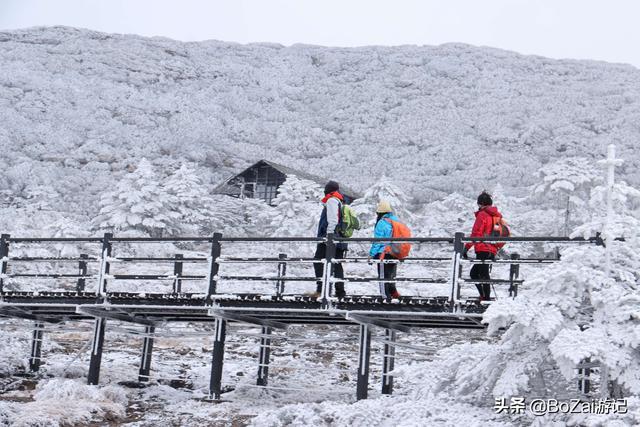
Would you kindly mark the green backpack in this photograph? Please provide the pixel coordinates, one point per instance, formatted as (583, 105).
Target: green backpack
(348, 221)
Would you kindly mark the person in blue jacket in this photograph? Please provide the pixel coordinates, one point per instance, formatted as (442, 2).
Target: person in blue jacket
(384, 229)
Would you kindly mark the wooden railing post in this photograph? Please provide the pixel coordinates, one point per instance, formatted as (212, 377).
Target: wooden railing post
(282, 271)
(104, 264)
(4, 258)
(458, 247)
(216, 249)
(82, 270)
(177, 271)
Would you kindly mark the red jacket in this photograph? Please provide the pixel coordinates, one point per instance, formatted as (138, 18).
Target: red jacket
(483, 227)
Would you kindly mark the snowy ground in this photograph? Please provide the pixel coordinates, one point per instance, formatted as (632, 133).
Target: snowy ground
(312, 364)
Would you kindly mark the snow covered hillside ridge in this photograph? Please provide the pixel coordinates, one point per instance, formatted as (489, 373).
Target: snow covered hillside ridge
(78, 107)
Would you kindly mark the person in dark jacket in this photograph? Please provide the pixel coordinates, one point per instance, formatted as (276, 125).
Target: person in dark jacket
(384, 229)
(329, 220)
(484, 251)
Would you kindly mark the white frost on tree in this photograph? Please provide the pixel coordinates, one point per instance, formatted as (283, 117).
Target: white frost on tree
(138, 204)
(297, 208)
(383, 189)
(568, 312)
(192, 202)
(569, 181)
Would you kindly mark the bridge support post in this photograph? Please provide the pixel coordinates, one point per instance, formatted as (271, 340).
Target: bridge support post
(36, 347)
(177, 271)
(147, 350)
(265, 353)
(82, 270)
(4, 254)
(96, 351)
(282, 271)
(456, 270)
(363, 362)
(216, 249)
(215, 385)
(388, 361)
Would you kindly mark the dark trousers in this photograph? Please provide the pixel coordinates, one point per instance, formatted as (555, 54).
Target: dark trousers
(387, 271)
(482, 272)
(321, 253)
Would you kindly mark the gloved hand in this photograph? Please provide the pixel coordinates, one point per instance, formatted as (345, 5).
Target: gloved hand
(465, 253)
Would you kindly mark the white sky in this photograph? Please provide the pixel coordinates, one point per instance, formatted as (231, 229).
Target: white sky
(607, 30)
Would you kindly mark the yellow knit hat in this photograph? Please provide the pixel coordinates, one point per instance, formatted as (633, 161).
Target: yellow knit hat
(384, 207)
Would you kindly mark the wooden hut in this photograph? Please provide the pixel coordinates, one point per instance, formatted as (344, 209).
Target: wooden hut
(262, 180)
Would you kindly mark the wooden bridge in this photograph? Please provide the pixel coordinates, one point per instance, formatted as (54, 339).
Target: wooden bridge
(56, 289)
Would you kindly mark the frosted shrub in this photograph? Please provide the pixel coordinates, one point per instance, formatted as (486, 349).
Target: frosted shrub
(139, 203)
(297, 208)
(383, 189)
(569, 182)
(59, 402)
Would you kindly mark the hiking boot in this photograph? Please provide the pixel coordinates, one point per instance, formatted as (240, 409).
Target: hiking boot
(341, 294)
(395, 295)
(314, 295)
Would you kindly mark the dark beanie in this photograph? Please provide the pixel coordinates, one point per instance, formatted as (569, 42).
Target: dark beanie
(330, 187)
(484, 199)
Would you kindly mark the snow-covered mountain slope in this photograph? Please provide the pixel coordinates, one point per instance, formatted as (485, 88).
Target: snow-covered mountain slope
(78, 107)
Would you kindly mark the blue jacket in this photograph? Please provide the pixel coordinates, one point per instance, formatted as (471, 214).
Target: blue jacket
(383, 229)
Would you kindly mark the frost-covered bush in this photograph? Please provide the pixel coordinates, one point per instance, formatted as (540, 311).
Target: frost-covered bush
(569, 312)
(60, 402)
(569, 181)
(139, 203)
(193, 204)
(383, 189)
(394, 411)
(297, 208)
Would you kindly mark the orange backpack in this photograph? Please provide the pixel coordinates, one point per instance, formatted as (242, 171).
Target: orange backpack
(499, 228)
(399, 250)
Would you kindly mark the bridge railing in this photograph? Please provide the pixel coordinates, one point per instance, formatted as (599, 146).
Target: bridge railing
(95, 269)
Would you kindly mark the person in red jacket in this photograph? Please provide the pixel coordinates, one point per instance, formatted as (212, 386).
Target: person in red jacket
(484, 251)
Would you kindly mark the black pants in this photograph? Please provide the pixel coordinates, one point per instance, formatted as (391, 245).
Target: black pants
(482, 272)
(321, 253)
(387, 271)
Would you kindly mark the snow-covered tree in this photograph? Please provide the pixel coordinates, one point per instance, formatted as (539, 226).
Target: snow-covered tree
(624, 218)
(445, 217)
(193, 204)
(297, 208)
(570, 311)
(139, 204)
(569, 182)
(383, 189)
